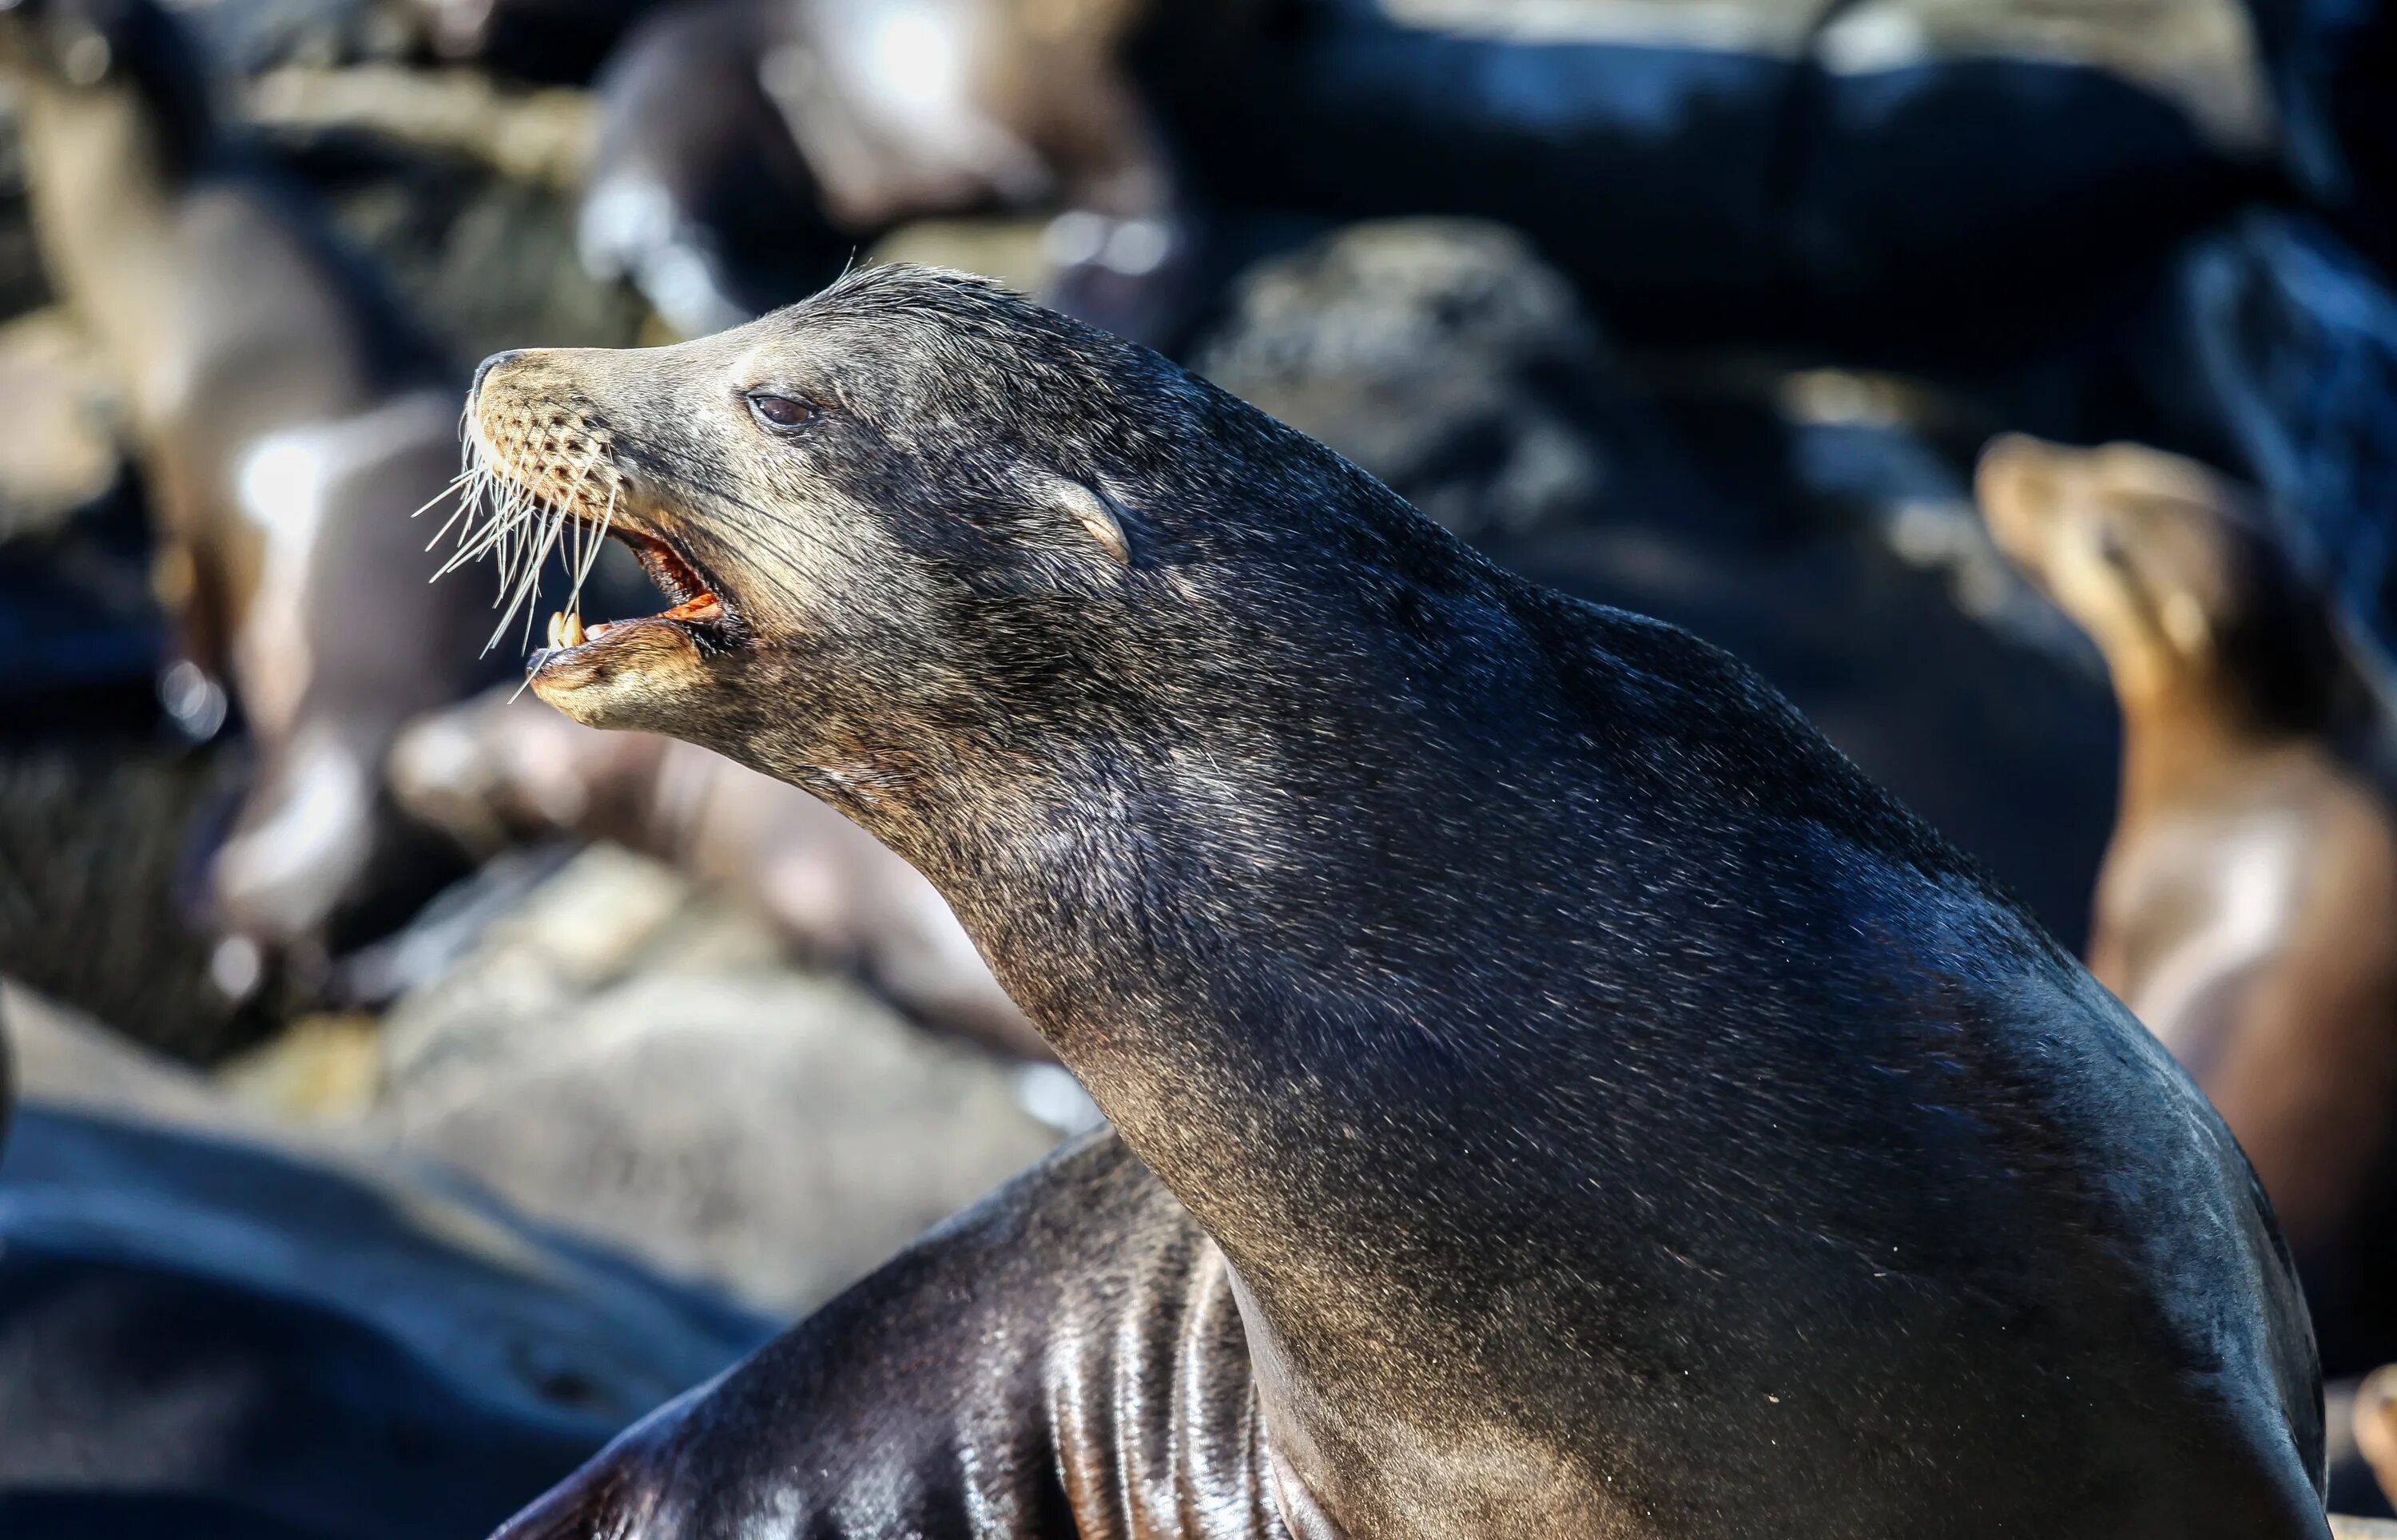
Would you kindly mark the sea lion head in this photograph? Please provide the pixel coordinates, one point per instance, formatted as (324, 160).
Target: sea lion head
(2166, 563)
(917, 525)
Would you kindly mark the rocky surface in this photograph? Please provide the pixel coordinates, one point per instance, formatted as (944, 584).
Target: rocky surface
(507, 767)
(622, 1055)
(206, 1322)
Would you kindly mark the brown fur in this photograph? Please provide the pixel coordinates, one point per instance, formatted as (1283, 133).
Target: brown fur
(2244, 911)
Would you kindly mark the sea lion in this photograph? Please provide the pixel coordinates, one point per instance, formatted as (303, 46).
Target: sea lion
(193, 1306)
(2241, 910)
(749, 148)
(500, 768)
(1824, 175)
(287, 420)
(1607, 1112)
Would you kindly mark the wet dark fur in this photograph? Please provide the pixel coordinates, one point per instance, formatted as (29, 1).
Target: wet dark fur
(932, 1392)
(1619, 1116)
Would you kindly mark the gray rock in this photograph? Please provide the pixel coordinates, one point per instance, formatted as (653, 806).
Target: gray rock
(1440, 354)
(630, 1059)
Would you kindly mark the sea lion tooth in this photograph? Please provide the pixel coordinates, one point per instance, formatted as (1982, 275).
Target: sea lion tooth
(556, 628)
(574, 633)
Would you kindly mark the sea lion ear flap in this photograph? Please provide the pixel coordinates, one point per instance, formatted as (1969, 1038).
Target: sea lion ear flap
(1098, 514)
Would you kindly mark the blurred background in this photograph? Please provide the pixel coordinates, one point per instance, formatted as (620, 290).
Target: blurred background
(411, 1087)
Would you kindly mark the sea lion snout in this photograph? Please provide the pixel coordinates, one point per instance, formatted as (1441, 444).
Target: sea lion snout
(540, 432)
(2152, 554)
(2016, 484)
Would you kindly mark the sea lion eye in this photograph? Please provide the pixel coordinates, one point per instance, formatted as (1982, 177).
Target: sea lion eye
(781, 411)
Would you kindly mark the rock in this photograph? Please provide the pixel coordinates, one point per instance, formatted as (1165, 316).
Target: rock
(628, 1058)
(321, 1067)
(507, 767)
(484, 261)
(199, 1316)
(243, 38)
(543, 138)
(548, 40)
(1442, 355)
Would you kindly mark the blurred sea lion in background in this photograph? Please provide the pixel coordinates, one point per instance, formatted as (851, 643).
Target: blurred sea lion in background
(286, 421)
(2248, 909)
(749, 148)
(1826, 174)
(497, 769)
(2374, 1427)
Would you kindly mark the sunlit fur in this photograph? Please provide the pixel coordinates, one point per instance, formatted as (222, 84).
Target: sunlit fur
(2242, 908)
(1622, 1118)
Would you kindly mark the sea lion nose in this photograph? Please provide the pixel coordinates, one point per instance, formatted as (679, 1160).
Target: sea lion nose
(486, 366)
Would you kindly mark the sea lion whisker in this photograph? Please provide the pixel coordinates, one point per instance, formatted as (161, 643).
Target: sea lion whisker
(508, 538)
(477, 541)
(455, 482)
(475, 504)
(529, 593)
(464, 485)
(607, 517)
(585, 549)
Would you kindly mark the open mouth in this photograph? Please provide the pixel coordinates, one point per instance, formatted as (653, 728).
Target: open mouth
(695, 606)
(522, 521)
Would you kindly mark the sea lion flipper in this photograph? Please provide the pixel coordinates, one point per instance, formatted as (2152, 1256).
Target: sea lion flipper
(1062, 1358)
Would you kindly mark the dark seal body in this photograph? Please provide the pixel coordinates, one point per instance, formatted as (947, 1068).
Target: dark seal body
(1617, 1117)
